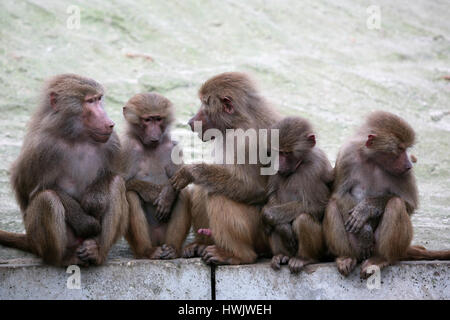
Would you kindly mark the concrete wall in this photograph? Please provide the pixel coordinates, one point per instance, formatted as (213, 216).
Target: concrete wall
(118, 279)
(407, 280)
(191, 279)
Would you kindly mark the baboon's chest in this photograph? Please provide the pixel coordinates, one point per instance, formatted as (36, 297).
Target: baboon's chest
(372, 183)
(80, 168)
(151, 167)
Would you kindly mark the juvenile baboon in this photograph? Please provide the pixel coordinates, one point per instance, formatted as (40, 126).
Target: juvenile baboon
(65, 179)
(228, 198)
(147, 167)
(297, 196)
(375, 192)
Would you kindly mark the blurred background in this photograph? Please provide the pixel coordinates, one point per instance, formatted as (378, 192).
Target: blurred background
(331, 62)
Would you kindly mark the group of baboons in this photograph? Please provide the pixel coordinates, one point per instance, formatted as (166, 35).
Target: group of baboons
(80, 189)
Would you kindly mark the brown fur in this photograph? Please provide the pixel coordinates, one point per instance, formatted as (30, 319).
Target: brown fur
(365, 186)
(65, 182)
(231, 195)
(147, 104)
(297, 202)
(155, 231)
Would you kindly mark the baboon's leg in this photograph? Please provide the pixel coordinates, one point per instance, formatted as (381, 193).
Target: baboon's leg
(137, 235)
(114, 225)
(178, 226)
(235, 227)
(310, 242)
(280, 255)
(47, 231)
(392, 237)
(199, 220)
(336, 239)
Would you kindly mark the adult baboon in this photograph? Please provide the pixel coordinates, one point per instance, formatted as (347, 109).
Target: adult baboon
(375, 192)
(228, 197)
(65, 179)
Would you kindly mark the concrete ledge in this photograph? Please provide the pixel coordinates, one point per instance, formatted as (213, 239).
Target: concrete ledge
(191, 279)
(406, 280)
(118, 279)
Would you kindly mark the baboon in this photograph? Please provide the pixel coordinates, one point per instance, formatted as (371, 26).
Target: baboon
(374, 194)
(297, 196)
(147, 167)
(228, 198)
(66, 177)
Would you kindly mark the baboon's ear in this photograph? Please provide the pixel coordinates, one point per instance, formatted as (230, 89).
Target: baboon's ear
(312, 139)
(228, 105)
(370, 140)
(53, 100)
(130, 115)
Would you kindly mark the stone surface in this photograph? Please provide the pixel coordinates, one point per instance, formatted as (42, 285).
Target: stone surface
(191, 279)
(406, 280)
(118, 279)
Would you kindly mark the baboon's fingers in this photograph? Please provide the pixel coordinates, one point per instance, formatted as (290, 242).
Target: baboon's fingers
(296, 265)
(285, 260)
(275, 263)
(200, 249)
(353, 224)
(278, 261)
(188, 252)
(167, 252)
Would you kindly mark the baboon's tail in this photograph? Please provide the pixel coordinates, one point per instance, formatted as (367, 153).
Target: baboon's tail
(15, 240)
(421, 253)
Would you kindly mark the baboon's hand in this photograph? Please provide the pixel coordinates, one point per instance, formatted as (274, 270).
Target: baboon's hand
(358, 217)
(269, 216)
(164, 202)
(182, 178)
(278, 261)
(89, 252)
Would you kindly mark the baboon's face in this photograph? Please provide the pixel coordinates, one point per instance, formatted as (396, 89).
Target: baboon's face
(98, 125)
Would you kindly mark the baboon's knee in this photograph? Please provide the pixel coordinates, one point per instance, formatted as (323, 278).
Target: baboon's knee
(396, 204)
